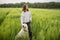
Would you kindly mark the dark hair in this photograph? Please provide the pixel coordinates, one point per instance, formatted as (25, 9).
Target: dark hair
(24, 8)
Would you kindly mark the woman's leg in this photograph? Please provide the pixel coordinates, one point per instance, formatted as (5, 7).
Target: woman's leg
(29, 31)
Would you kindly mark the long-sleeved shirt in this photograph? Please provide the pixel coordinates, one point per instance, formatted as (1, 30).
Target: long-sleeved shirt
(26, 17)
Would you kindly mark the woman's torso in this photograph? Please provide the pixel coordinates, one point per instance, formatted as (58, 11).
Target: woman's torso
(26, 16)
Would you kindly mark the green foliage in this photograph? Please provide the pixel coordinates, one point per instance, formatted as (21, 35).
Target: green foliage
(32, 5)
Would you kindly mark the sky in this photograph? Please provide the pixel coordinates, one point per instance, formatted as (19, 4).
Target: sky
(31, 1)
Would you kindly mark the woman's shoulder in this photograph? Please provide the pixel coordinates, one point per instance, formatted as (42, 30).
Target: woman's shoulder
(28, 11)
(22, 12)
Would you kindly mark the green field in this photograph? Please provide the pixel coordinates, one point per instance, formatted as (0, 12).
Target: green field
(45, 23)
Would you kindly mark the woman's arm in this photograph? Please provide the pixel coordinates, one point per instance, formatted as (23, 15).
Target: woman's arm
(22, 18)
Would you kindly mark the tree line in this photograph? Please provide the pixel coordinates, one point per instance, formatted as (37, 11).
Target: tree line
(32, 5)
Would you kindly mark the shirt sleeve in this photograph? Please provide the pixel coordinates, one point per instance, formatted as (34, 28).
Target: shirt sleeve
(22, 18)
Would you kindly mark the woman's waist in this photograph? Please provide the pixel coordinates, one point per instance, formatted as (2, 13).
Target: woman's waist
(25, 22)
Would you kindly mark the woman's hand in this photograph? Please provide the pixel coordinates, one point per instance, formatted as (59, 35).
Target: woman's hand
(24, 28)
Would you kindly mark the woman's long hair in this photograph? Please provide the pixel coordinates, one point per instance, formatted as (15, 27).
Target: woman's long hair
(24, 8)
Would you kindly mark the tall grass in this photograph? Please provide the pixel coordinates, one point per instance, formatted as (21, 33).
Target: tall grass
(45, 23)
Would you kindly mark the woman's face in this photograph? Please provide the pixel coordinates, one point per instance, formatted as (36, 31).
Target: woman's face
(25, 8)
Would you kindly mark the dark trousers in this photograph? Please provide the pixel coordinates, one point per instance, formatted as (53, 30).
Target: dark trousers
(29, 30)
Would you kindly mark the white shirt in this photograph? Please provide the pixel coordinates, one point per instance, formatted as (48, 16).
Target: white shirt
(26, 17)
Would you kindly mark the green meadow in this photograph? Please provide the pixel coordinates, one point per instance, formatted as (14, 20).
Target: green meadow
(45, 23)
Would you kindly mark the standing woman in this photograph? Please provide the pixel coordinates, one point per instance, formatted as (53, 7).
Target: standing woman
(26, 19)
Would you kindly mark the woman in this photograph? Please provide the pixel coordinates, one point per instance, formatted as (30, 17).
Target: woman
(26, 19)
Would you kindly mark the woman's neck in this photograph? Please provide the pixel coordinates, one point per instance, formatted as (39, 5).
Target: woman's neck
(25, 11)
